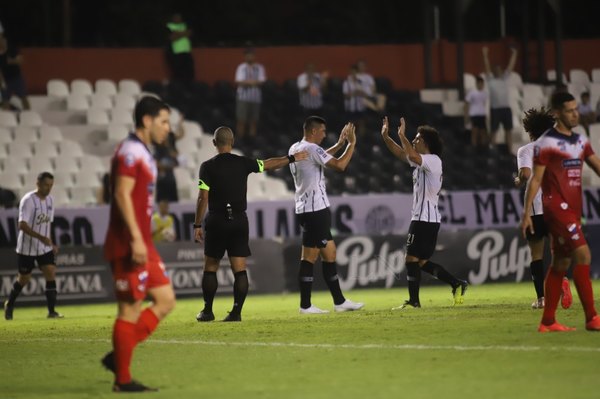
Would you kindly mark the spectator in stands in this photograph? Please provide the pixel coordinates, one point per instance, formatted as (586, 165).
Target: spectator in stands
(249, 76)
(310, 86)
(166, 162)
(373, 100)
(179, 50)
(475, 113)
(498, 86)
(163, 224)
(103, 194)
(587, 114)
(11, 79)
(354, 99)
(8, 198)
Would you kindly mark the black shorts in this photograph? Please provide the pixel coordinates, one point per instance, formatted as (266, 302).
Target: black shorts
(539, 227)
(501, 115)
(223, 234)
(422, 238)
(316, 228)
(26, 263)
(478, 122)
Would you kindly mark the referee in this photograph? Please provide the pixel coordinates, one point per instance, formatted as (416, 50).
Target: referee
(423, 155)
(222, 189)
(34, 245)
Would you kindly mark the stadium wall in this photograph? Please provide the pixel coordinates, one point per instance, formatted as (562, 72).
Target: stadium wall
(403, 64)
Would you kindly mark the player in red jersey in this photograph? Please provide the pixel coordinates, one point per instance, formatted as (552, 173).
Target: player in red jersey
(558, 160)
(137, 268)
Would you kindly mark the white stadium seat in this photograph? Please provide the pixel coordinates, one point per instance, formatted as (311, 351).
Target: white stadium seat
(30, 118)
(70, 148)
(101, 101)
(50, 134)
(26, 134)
(106, 87)
(40, 164)
(8, 118)
(57, 88)
(129, 86)
(66, 164)
(579, 76)
(82, 86)
(96, 116)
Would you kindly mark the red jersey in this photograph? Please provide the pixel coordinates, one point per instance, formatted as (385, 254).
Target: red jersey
(132, 158)
(563, 158)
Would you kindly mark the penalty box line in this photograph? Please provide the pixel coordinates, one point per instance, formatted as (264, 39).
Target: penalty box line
(406, 347)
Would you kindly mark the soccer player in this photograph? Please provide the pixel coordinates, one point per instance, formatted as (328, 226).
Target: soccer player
(314, 215)
(222, 189)
(34, 245)
(536, 122)
(136, 266)
(558, 159)
(423, 155)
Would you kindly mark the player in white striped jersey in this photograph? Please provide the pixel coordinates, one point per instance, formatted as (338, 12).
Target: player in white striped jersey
(536, 122)
(34, 245)
(423, 155)
(249, 77)
(312, 209)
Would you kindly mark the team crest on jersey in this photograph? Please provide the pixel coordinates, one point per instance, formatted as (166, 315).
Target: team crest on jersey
(562, 145)
(143, 276)
(321, 152)
(129, 160)
(564, 206)
(572, 227)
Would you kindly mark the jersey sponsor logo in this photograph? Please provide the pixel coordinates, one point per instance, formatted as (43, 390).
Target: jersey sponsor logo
(321, 152)
(575, 237)
(564, 205)
(571, 163)
(574, 173)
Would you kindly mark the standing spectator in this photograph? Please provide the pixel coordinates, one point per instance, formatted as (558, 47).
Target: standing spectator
(373, 100)
(475, 112)
(354, 99)
(249, 77)
(558, 160)
(179, 50)
(222, 189)
(137, 268)
(163, 224)
(536, 123)
(34, 245)
(166, 160)
(424, 155)
(11, 78)
(498, 84)
(587, 114)
(314, 215)
(310, 86)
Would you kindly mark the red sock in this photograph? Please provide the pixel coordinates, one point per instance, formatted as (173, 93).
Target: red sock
(581, 277)
(146, 324)
(124, 341)
(552, 291)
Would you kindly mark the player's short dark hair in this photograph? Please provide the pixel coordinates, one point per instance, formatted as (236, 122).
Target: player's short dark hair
(45, 175)
(150, 106)
(559, 99)
(432, 138)
(312, 122)
(537, 121)
(479, 79)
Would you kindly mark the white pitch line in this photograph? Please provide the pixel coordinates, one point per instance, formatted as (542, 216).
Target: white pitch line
(408, 347)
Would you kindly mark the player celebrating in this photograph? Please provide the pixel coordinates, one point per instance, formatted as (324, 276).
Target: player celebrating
(136, 266)
(558, 157)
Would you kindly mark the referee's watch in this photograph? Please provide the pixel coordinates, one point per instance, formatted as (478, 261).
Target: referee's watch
(197, 226)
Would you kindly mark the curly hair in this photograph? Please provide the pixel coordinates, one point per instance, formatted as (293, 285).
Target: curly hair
(537, 121)
(432, 138)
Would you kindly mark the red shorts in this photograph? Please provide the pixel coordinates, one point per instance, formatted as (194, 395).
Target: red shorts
(564, 226)
(132, 280)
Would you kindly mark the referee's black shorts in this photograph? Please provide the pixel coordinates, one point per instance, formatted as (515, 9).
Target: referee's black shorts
(223, 234)
(539, 227)
(316, 228)
(27, 263)
(422, 238)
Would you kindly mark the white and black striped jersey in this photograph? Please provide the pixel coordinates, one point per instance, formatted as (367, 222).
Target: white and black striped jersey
(353, 102)
(309, 179)
(427, 183)
(244, 72)
(309, 87)
(368, 83)
(525, 160)
(38, 214)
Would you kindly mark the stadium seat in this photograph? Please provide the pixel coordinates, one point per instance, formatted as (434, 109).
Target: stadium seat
(50, 134)
(469, 81)
(576, 89)
(515, 80)
(66, 164)
(122, 116)
(61, 196)
(129, 86)
(70, 148)
(125, 101)
(77, 102)
(595, 135)
(96, 116)
(579, 76)
(19, 149)
(551, 76)
(45, 149)
(63, 179)
(40, 164)
(57, 88)
(11, 181)
(453, 108)
(83, 195)
(435, 96)
(8, 118)
(101, 101)
(277, 189)
(30, 178)
(106, 87)
(5, 135)
(18, 165)
(596, 75)
(82, 86)
(3, 152)
(30, 118)
(186, 185)
(117, 131)
(87, 177)
(26, 134)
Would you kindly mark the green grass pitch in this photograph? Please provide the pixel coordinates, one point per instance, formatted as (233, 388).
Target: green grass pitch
(487, 348)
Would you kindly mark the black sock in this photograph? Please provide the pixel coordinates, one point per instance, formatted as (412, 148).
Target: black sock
(537, 275)
(240, 290)
(331, 278)
(413, 275)
(14, 293)
(305, 277)
(440, 273)
(209, 289)
(51, 295)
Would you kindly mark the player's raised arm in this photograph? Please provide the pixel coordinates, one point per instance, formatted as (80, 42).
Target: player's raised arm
(340, 164)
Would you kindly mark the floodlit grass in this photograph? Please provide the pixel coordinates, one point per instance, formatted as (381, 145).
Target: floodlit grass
(487, 348)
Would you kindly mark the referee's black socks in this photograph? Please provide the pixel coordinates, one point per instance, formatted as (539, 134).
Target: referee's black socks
(209, 289)
(333, 282)
(240, 290)
(440, 273)
(14, 293)
(51, 295)
(305, 278)
(413, 276)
